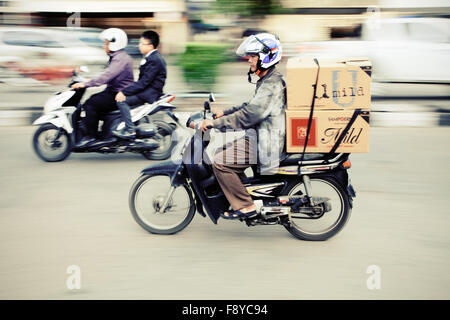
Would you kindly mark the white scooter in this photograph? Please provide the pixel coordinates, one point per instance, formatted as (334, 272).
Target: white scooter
(62, 126)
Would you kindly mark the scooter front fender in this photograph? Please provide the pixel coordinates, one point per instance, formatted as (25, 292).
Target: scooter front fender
(168, 167)
(57, 118)
(46, 118)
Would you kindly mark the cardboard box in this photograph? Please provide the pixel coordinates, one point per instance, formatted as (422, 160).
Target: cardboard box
(326, 127)
(342, 84)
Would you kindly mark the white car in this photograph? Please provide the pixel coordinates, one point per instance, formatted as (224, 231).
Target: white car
(48, 47)
(410, 56)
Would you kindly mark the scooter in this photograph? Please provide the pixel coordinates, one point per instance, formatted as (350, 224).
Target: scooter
(62, 125)
(309, 194)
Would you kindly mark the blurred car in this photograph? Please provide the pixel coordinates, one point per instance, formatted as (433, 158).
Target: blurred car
(42, 50)
(252, 31)
(133, 48)
(89, 36)
(403, 51)
(198, 26)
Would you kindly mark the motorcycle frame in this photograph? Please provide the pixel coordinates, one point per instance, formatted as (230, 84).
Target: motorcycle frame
(61, 116)
(182, 171)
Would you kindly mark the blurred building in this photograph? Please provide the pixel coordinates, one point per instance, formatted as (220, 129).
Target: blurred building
(167, 17)
(309, 20)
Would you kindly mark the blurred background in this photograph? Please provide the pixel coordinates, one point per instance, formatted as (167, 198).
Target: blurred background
(76, 212)
(407, 41)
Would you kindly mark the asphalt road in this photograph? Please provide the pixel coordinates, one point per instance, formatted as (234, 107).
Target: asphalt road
(56, 215)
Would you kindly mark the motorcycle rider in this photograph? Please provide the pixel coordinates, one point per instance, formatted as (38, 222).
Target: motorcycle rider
(118, 75)
(152, 77)
(263, 118)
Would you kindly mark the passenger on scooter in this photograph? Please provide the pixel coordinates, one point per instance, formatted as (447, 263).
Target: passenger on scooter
(263, 118)
(118, 75)
(149, 87)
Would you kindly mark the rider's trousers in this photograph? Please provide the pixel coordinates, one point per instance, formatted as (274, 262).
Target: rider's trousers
(229, 164)
(125, 106)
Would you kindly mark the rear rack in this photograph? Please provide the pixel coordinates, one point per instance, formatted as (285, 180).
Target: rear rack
(309, 166)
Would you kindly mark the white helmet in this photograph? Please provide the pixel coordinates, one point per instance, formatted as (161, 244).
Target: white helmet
(266, 45)
(117, 38)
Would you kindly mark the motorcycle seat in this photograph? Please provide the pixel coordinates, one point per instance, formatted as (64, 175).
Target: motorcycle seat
(294, 158)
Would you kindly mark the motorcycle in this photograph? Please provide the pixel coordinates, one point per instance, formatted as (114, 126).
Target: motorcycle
(62, 125)
(310, 195)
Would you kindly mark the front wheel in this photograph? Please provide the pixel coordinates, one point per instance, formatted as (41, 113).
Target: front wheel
(51, 143)
(328, 224)
(148, 195)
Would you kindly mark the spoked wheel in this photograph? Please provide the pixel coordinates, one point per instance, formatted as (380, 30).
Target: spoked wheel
(51, 143)
(165, 141)
(332, 219)
(147, 197)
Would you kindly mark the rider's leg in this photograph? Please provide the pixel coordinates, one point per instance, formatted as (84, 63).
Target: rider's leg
(130, 130)
(228, 165)
(97, 103)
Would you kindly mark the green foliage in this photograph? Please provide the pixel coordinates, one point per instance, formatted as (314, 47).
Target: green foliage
(200, 63)
(249, 7)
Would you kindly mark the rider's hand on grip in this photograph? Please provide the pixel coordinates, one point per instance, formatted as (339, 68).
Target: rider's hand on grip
(217, 114)
(207, 124)
(78, 85)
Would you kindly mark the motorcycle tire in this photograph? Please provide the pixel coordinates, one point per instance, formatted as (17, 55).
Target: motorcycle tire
(138, 213)
(63, 147)
(164, 137)
(344, 214)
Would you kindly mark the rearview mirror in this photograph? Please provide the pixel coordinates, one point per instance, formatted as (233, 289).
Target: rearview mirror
(84, 69)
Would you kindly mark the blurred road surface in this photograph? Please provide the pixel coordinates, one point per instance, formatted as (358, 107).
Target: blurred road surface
(55, 215)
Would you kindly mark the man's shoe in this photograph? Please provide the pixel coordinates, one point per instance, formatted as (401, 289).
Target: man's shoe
(84, 142)
(125, 133)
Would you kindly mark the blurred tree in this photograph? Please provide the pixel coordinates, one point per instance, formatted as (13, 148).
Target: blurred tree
(200, 63)
(249, 7)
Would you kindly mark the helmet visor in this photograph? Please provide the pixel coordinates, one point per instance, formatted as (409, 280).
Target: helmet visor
(249, 46)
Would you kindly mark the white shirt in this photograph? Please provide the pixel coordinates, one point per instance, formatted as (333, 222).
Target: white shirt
(143, 61)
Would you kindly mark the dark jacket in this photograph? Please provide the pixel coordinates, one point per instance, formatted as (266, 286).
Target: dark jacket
(118, 74)
(152, 77)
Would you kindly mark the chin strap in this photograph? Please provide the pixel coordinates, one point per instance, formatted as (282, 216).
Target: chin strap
(249, 74)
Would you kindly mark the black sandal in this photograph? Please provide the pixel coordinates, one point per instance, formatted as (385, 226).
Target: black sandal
(231, 215)
(244, 215)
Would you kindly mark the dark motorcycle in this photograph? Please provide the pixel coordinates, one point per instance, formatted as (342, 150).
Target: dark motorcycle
(311, 199)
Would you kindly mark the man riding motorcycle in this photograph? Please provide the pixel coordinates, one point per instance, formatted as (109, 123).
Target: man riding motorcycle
(263, 118)
(117, 76)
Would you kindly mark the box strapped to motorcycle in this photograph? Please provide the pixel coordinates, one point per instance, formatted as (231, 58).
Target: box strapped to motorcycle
(338, 142)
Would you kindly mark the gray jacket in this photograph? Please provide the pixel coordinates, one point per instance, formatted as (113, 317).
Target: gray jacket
(119, 73)
(265, 113)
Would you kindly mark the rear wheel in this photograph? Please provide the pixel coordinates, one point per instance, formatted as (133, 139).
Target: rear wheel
(51, 143)
(147, 196)
(328, 224)
(164, 139)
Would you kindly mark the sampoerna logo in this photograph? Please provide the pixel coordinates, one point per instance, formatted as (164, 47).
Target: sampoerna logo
(346, 119)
